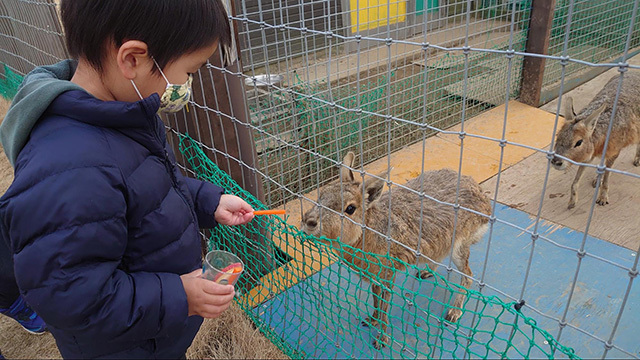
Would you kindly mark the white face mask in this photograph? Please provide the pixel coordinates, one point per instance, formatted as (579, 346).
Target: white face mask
(175, 97)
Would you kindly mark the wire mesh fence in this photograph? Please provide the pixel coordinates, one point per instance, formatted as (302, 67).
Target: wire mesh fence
(598, 33)
(322, 78)
(30, 35)
(335, 63)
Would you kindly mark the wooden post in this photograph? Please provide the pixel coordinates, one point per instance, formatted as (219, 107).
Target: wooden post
(537, 43)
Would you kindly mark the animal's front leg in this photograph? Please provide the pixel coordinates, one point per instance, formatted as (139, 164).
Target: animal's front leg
(372, 320)
(573, 198)
(382, 339)
(381, 306)
(603, 196)
(427, 273)
(461, 259)
(636, 160)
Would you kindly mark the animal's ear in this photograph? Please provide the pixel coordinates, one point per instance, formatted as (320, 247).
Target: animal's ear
(345, 172)
(373, 186)
(591, 120)
(569, 112)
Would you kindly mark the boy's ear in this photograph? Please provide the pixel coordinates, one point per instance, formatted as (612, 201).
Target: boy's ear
(133, 59)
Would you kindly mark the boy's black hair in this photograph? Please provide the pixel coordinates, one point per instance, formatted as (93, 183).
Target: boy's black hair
(170, 28)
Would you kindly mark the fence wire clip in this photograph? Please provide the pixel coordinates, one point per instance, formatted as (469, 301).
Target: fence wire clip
(519, 305)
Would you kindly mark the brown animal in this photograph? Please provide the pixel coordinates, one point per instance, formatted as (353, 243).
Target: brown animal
(582, 137)
(415, 223)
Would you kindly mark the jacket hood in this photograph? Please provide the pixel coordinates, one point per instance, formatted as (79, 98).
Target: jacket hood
(38, 89)
(42, 91)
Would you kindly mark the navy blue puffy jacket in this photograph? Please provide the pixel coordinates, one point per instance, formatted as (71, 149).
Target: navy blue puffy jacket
(101, 224)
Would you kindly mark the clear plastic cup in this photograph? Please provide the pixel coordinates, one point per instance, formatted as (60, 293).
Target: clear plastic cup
(222, 267)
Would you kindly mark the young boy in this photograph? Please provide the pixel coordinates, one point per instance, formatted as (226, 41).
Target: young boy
(102, 225)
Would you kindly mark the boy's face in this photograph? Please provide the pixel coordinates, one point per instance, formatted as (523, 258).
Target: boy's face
(138, 66)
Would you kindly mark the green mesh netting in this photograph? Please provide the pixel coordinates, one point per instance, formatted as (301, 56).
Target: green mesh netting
(9, 82)
(302, 294)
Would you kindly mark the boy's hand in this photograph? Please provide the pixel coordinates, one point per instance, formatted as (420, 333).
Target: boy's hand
(206, 298)
(233, 211)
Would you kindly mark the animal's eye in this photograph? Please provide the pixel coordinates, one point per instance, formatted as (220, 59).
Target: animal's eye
(578, 143)
(350, 209)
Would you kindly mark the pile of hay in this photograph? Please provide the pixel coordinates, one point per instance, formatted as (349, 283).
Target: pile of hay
(231, 336)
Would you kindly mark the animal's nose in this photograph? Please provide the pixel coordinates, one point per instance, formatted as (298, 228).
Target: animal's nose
(556, 161)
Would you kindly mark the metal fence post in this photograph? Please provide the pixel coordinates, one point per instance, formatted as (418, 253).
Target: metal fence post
(537, 43)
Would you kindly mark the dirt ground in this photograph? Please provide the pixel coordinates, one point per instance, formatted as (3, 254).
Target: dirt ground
(231, 336)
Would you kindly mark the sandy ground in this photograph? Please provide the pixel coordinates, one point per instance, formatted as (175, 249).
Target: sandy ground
(230, 336)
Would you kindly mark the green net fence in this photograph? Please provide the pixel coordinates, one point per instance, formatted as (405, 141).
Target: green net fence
(304, 295)
(9, 83)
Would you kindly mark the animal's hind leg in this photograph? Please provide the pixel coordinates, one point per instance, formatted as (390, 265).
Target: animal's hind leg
(636, 160)
(461, 259)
